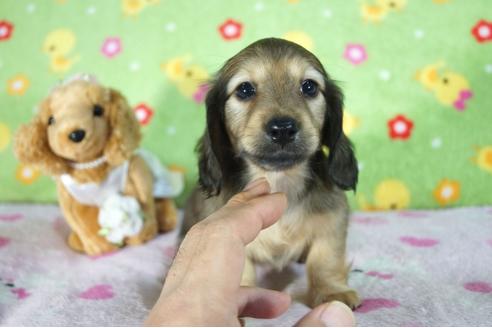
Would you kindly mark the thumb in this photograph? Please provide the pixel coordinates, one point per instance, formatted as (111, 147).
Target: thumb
(334, 314)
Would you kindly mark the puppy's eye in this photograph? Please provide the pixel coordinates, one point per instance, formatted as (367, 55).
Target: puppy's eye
(51, 120)
(245, 91)
(98, 110)
(309, 88)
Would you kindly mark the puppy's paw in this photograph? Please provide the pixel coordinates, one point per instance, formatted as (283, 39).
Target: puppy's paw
(348, 297)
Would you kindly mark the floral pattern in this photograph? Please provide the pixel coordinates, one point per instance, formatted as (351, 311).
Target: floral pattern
(6, 29)
(411, 108)
(17, 85)
(26, 174)
(355, 54)
(482, 31)
(230, 30)
(143, 113)
(447, 191)
(111, 47)
(400, 127)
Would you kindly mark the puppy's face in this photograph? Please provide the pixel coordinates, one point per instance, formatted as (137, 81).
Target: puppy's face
(273, 105)
(275, 109)
(77, 121)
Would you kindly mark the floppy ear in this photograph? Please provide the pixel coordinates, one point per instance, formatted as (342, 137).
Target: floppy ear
(124, 135)
(31, 145)
(342, 165)
(218, 165)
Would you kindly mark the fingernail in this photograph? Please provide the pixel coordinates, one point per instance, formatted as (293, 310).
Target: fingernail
(254, 183)
(337, 314)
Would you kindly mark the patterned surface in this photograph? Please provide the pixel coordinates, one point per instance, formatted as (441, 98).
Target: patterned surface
(416, 75)
(411, 268)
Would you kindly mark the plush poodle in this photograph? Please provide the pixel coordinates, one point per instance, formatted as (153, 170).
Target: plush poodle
(86, 137)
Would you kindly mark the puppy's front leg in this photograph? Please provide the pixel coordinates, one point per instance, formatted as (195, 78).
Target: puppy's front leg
(328, 273)
(249, 273)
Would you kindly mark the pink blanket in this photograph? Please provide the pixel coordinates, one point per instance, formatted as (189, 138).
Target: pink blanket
(411, 268)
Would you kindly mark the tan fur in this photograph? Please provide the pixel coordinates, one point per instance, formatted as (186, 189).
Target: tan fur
(315, 223)
(116, 135)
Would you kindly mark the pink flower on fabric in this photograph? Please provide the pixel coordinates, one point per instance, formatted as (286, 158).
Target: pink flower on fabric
(419, 242)
(463, 97)
(355, 53)
(6, 29)
(201, 93)
(230, 30)
(98, 292)
(21, 293)
(143, 113)
(372, 304)
(111, 47)
(4, 241)
(478, 287)
(380, 275)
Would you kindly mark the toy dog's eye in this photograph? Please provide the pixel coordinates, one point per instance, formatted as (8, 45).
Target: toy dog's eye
(98, 110)
(51, 120)
(309, 88)
(245, 91)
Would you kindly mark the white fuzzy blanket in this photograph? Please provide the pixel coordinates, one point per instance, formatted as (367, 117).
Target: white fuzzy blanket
(411, 268)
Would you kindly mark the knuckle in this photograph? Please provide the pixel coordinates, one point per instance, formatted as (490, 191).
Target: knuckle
(238, 199)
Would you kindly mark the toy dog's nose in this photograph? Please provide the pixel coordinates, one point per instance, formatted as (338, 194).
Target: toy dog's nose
(77, 135)
(282, 130)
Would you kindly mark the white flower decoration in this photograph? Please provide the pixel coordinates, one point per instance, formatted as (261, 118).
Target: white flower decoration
(119, 217)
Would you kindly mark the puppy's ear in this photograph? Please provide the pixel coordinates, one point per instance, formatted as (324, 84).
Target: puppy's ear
(210, 175)
(218, 165)
(342, 165)
(31, 145)
(124, 135)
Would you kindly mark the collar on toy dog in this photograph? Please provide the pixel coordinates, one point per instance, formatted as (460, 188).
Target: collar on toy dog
(89, 165)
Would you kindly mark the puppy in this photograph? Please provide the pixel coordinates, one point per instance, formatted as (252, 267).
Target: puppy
(274, 112)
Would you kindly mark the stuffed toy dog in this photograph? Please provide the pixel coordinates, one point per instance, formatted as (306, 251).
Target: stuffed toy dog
(111, 194)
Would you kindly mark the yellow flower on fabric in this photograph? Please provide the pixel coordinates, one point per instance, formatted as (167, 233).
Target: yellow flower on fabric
(484, 158)
(26, 174)
(350, 122)
(300, 38)
(447, 191)
(17, 85)
(4, 136)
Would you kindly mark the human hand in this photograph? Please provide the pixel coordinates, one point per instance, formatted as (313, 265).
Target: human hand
(202, 287)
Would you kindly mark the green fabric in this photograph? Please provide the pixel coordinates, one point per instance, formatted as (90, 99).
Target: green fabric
(448, 152)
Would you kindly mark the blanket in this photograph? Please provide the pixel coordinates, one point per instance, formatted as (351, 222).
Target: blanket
(411, 268)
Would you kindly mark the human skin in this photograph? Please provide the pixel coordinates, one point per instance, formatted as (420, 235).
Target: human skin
(202, 287)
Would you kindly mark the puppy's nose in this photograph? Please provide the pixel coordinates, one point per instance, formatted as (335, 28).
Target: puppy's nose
(77, 135)
(282, 130)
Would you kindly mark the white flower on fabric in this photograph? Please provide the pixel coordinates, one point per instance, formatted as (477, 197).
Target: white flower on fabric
(119, 217)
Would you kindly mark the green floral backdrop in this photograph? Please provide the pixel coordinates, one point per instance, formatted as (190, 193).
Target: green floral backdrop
(417, 75)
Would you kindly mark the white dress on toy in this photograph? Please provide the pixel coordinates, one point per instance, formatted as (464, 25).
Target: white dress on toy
(120, 216)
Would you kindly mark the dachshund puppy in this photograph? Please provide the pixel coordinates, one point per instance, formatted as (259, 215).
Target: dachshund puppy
(274, 112)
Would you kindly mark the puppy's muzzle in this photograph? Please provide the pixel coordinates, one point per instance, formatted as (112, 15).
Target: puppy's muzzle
(77, 135)
(282, 130)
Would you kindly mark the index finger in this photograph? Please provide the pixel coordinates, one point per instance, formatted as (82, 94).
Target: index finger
(252, 210)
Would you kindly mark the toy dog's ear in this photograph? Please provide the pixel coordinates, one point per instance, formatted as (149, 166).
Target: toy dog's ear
(125, 134)
(31, 145)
